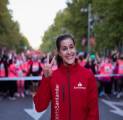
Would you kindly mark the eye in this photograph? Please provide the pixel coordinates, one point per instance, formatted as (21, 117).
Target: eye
(71, 46)
(64, 48)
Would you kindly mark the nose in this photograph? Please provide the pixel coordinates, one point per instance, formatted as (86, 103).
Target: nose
(69, 51)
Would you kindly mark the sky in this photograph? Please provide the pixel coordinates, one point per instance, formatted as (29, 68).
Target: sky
(35, 16)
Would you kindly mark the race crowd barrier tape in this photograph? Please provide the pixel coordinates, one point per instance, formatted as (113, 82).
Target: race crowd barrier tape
(21, 78)
(40, 77)
(107, 75)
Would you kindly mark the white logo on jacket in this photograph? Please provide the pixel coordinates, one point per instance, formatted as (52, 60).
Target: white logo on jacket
(80, 86)
(56, 102)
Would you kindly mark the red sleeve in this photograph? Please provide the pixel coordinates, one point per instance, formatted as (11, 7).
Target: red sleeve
(42, 96)
(92, 109)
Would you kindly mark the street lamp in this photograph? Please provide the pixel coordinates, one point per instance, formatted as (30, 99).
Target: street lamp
(88, 10)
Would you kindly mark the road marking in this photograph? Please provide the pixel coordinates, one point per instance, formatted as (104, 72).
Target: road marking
(117, 110)
(32, 112)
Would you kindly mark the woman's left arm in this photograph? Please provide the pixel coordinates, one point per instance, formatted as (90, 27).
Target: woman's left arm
(92, 99)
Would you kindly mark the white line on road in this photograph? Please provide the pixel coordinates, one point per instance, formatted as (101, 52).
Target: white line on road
(35, 115)
(115, 105)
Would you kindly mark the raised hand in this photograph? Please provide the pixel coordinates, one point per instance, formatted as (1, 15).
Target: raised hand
(47, 68)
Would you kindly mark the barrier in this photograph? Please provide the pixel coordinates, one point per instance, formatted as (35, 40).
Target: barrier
(20, 78)
(40, 77)
(107, 75)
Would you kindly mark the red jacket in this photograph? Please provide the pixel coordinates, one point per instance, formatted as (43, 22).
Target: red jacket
(73, 94)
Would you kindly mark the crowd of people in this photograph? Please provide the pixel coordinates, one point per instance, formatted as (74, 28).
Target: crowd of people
(25, 64)
(19, 65)
(108, 71)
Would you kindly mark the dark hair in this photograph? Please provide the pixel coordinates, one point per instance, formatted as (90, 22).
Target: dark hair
(58, 44)
(61, 38)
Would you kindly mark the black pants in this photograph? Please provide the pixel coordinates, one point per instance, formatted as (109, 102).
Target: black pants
(120, 84)
(12, 87)
(106, 85)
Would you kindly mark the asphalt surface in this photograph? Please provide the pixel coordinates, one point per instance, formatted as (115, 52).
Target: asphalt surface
(23, 109)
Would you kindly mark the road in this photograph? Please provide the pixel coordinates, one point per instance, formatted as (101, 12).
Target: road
(23, 109)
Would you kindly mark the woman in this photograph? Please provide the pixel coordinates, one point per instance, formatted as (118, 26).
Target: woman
(71, 88)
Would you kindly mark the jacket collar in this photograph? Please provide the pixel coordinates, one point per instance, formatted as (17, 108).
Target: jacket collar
(69, 68)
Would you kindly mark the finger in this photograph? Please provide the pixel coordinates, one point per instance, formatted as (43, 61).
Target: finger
(53, 60)
(48, 58)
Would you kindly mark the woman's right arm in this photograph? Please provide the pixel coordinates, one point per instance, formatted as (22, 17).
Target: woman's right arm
(43, 95)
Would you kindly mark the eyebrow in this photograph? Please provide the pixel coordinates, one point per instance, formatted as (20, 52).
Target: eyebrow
(69, 45)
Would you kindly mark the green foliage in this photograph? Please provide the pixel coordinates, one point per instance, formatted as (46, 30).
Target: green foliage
(107, 23)
(10, 36)
(70, 20)
(109, 30)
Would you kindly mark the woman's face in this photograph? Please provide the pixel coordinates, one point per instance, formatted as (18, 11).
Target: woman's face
(67, 51)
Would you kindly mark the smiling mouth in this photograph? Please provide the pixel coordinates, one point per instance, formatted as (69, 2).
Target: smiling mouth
(70, 57)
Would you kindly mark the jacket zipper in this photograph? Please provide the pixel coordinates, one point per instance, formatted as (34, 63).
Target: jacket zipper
(63, 93)
(68, 78)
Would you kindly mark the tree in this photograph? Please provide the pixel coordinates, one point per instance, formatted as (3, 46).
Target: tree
(70, 20)
(108, 22)
(108, 30)
(10, 36)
